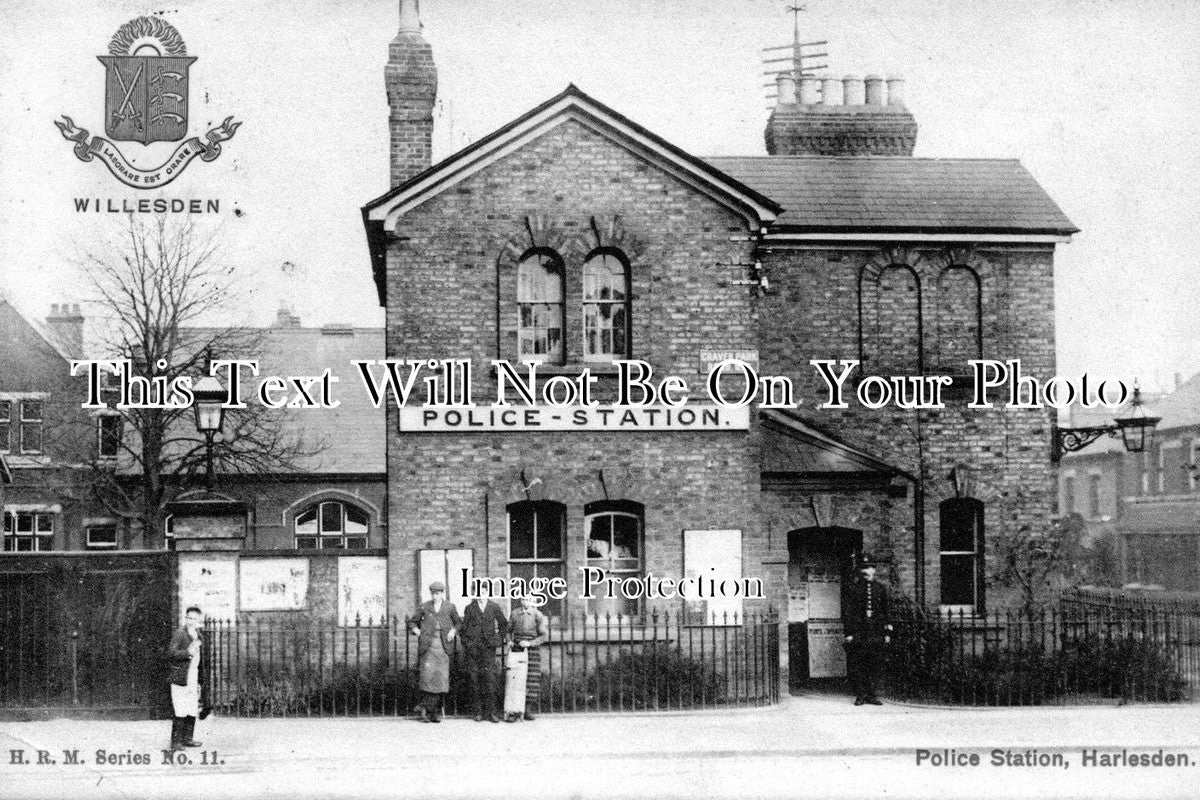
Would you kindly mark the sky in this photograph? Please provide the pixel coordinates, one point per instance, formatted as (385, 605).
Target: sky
(1098, 100)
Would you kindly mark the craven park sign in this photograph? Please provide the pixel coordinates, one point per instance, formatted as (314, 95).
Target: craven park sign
(146, 101)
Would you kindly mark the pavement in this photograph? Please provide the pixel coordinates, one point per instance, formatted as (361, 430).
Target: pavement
(813, 746)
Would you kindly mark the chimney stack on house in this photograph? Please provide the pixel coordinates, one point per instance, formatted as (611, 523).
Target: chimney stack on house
(411, 81)
(66, 325)
(850, 117)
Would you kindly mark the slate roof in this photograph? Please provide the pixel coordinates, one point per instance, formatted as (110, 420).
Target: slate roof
(351, 437)
(900, 194)
(354, 433)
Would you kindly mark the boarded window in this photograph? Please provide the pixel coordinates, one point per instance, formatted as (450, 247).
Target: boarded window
(958, 320)
(711, 557)
(898, 340)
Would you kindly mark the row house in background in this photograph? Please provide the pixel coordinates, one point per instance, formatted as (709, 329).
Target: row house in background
(1138, 514)
(573, 237)
(61, 462)
(50, 444)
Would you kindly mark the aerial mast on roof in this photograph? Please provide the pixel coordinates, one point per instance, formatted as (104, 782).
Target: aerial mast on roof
(801, 58)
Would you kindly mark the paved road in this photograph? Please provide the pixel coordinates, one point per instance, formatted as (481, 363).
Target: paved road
(808, 747)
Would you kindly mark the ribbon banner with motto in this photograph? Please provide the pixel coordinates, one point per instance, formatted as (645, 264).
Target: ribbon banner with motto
(161, 175)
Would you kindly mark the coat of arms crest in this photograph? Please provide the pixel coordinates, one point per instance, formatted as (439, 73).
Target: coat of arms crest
(146, 101)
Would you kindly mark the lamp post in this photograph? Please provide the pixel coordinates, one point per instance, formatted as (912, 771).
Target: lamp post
(1135, 427)
(210, 414)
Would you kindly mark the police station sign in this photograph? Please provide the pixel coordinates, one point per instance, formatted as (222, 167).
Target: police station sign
(597, 418)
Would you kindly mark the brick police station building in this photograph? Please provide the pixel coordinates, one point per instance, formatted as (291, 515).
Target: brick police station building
(573, 237)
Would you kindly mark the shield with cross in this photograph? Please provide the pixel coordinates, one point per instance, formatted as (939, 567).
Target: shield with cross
(146, 98)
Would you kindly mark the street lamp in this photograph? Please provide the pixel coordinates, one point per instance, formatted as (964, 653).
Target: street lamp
(209, 397)
(1135, 427)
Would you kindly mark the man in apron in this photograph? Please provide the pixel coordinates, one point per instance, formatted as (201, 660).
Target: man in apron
(184, 654)
(435, 624)
(529, 629)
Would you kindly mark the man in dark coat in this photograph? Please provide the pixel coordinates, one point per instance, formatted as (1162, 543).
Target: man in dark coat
(436, 625)
(867, 631)
(484, 630)
(188, 666)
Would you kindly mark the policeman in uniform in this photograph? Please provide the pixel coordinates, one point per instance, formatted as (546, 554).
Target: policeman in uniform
(867, 631)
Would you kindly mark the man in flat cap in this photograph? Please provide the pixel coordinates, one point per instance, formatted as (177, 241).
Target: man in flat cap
(435, 624)
(867, 631)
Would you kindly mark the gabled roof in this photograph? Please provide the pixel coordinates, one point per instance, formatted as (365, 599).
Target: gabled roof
(350, 439)
(380, 215)
(901, 194)
(40, 329)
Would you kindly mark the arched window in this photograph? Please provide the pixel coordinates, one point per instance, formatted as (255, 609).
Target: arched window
(541, 313)
(614, 545)
(331, 525)
(898, 342)
(962, 568)
(606, 307)
(535, 544)
(959, 320)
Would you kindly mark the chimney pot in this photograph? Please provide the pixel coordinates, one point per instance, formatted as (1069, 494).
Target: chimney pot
(786, 86)
(410, 16)
(874, 90)
(895, 90)
(809, 90)
(852, 91)
(830, 88)
(54, 309)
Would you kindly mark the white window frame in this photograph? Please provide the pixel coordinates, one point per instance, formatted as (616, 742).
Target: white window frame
(606, 564)
(625, 304)
(42, 541)
(100, 417)
(339, 540)
(115, 544)
(39, 420)
(535, 561)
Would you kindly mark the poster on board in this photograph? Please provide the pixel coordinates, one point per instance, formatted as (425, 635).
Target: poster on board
(274, 584)
(362, 589)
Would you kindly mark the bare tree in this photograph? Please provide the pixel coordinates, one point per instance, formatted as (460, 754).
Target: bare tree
(158, 285)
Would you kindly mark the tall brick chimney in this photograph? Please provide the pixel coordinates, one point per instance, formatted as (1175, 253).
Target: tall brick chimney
(66, 325)
(849, 117)
(411, 80)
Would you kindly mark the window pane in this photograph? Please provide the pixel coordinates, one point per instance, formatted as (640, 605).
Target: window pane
(102, 536)
(306, 542)
(957, 526)
(331, 518)
(539, 279)
(110, 436)
(8, 522)
(306, 523)
(356, 520)
(356, 542)
(958, 580)
(45, 524)
(332, 543)
(520, 533)
(31, 437)
(549, 532)
(4, 434)
(24, 523)
(5, 410)
(31, 410)
(599, 543)
(625, 537)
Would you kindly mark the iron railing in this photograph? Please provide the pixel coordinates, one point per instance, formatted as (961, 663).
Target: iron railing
(1073, 654)
(662, 661)
(1101, 597)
